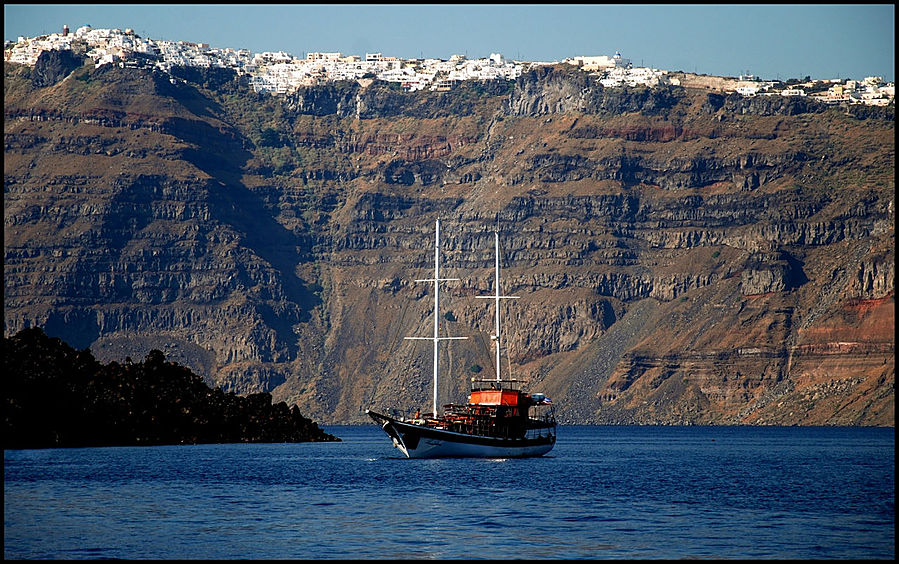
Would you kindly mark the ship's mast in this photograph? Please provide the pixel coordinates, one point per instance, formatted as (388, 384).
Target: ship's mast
(436, 338)
(497, 297)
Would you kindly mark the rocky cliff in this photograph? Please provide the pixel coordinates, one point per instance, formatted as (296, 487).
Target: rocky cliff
(57, 397)
(682, 256)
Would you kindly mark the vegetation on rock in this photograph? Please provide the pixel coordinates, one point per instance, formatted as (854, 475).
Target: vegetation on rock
(57, 396)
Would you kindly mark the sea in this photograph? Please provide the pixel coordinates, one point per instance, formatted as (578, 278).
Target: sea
(603, 492)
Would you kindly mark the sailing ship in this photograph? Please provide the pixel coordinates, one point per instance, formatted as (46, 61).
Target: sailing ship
(500, 419)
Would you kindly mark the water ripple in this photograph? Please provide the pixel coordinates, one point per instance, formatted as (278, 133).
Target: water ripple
(617, 493)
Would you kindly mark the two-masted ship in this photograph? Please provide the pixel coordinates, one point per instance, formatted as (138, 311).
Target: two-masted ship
(500, 419)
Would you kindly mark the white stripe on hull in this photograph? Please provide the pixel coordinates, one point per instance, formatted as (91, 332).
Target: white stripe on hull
(437, 448)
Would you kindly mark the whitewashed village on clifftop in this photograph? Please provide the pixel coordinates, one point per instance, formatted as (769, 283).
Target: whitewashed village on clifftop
(280, 73)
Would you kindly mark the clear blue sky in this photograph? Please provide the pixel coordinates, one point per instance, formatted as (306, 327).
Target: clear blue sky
(771, 41)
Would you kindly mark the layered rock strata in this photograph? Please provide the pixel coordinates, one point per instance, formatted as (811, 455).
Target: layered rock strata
(682, 257)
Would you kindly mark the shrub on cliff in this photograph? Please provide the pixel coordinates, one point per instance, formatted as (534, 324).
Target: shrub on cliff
(60, 397)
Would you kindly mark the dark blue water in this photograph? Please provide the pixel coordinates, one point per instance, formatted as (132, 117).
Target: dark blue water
(603, 492)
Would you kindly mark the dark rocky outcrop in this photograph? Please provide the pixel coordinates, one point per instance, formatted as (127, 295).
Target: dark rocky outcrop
(383, 100)
(559, 90)
(54, 65)
(56, 396)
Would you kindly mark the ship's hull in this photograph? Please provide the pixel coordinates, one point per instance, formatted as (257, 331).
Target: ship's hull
(419, 441)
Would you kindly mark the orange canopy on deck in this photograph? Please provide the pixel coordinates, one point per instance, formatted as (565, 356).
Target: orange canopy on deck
(494, 397)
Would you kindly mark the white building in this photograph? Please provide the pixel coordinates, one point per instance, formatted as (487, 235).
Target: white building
(323, 56)
(590, 64)
(621, 62)
(279, 72)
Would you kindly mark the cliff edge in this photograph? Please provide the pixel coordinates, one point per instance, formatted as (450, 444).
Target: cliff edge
(682, 256)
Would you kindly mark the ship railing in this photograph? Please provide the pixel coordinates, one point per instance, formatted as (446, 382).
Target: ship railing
(494, 384)
(541, 426)
(410, 416)
(540, 432)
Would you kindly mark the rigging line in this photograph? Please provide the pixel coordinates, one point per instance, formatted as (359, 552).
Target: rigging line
(486, 353)
(508, 350)
(450, 298)
(400, 326)
(406, 304)
(393, 343)
(509, 360)
(486, 357)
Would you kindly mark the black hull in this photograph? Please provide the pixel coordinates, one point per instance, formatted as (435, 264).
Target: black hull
(419, 441)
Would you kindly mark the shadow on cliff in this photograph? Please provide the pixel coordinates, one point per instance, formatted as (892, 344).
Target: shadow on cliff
(222, 153)
(796, 276)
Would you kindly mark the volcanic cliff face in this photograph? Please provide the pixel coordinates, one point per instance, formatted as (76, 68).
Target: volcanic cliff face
(681, 256)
